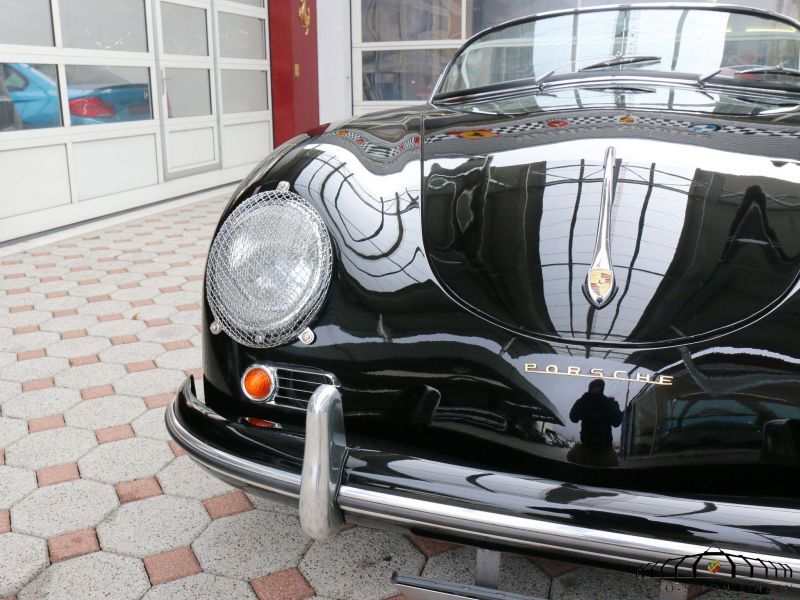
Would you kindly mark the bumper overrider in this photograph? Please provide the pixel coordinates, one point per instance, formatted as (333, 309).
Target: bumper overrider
(652, 535)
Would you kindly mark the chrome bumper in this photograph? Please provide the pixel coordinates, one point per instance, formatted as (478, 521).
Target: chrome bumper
(325, 502)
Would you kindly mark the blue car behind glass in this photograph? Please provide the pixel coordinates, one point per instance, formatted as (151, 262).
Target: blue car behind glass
(95, 95)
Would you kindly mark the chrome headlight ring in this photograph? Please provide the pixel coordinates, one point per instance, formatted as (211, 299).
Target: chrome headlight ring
(269, 269)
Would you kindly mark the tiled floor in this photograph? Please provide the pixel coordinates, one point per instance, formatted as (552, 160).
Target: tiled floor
(96, 334)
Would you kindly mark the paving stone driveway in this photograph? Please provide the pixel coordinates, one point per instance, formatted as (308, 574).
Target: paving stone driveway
(96, 334)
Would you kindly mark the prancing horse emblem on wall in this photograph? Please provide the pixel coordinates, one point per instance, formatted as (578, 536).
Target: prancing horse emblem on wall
(600, 285)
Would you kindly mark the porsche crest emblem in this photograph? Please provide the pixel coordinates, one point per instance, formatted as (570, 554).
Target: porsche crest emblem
(601, 282)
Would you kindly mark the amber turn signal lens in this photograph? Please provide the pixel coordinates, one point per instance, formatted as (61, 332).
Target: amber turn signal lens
(257, 383)
(262, 423)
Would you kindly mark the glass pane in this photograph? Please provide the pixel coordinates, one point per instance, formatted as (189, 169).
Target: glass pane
(402, 74)
(188, 93)
(400, 20)
(258, 3)
(28, 96)
(26, 22)
(241, 37)
(104, 24)
(108, 94)
(244, 91)
(487, 13)
(184, 29)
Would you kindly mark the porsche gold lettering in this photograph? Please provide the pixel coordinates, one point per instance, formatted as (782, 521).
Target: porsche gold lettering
(619, 375)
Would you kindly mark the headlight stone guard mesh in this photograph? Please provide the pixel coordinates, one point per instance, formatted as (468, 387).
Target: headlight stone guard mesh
(271, 238)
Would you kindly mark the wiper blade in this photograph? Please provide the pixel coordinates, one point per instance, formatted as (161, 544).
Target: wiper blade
(750, 70)
(623, 59)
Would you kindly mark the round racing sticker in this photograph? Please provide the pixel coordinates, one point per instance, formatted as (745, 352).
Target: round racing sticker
(627, 120)
(558, 123)
(705, 127)
(474, 134)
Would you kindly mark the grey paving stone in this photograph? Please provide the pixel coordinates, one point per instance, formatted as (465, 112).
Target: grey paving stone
(40, 403)
(68, 323)
(357, 564)
(269, 505)
(15, 484)
(60, 303)
(96, 576)
(155, 311)
(19, 299)
(201, 587)
(117, 328)
(120, 278)
(149, 383)
(11, 430)
(8, 390)
(21, 558)
(517, 573)
(28, 341)
(37, 368)
(598, 583)
(125, 460)
(59, 285)
(81, 346)
(163, 281)
(90, 375)
(134, 293)
(153, 525)
(151, 425)
(168, 333)
(177, 298)
(250, 544)
(50, 448)
(6, 358)
(107, 307)
(134, 352)
(64, 507)
(149, 267)
(183, 477)
(94, 289)
(183, 360)
(23, 319)
(104, 412)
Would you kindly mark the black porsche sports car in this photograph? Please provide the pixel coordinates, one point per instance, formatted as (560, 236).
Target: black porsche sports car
(555, 310)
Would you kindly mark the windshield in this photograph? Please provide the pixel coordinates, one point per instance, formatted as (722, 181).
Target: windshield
(713, 45)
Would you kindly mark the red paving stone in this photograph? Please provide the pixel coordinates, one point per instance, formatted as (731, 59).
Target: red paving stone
(75, 333)
(37, 384)
(144, 365)
(123, 339)
(114, 434)
(84, 360)
(179, 345)
(59, 294)
(171, 565)
(142, 302)
(57, 474)
(2, 457)
(97, 391)
(45, 423)
(553, 568)
(20, 290)
(114, 317)
(183, 307)
(67, 312)
(176, 450)
(139, 489)
(429, 546)
(227, 505)
(196, 373)
(25, 329)
(283, 585)
(5, 521)
(28, 355)
(167, 290)
(19, 309)
(73, 544)
(158, 401)
(158, 322)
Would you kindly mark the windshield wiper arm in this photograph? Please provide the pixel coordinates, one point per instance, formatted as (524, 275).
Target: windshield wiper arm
(623, 59)
(751, 70)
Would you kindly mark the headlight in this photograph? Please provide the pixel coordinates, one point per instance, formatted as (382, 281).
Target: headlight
(268, 269)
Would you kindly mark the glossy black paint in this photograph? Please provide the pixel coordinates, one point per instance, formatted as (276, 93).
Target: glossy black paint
(460, 257)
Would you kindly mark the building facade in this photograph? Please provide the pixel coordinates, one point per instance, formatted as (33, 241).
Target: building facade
(107, 105)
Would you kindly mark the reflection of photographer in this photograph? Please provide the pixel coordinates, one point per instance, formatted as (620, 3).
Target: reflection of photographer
(9, 119)
(598, 414)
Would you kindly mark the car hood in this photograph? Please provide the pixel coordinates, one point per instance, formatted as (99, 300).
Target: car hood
(704, 228)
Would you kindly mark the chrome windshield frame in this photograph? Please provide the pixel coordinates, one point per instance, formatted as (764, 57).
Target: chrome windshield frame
(436, 96)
